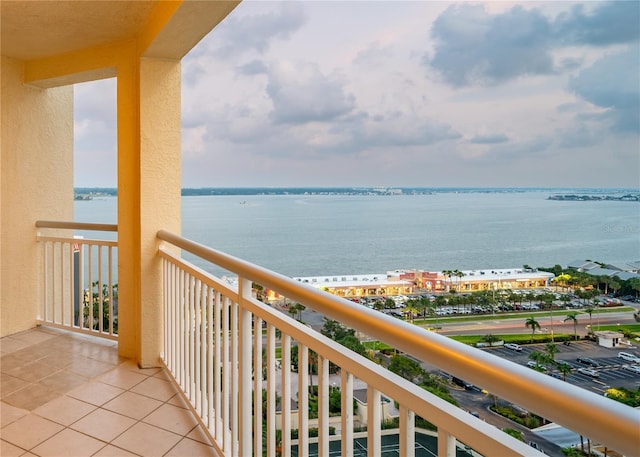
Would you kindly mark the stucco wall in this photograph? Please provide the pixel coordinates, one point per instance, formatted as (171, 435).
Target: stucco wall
(36, 182)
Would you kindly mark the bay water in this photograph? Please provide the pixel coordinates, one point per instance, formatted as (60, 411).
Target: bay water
(313, 235)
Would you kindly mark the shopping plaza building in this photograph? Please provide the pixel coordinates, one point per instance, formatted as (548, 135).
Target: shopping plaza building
(408, 281)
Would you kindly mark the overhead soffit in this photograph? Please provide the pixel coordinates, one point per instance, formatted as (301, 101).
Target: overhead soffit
(37, 29)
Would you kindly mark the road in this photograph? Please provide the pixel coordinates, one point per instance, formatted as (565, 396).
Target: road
(517, 324)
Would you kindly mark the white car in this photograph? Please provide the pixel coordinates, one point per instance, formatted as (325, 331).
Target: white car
(513, 346)
(629, 357)
(632, 368)
(536, 366)
(589, 372)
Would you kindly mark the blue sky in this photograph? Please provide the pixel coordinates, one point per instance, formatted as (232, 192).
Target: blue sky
(390, 93)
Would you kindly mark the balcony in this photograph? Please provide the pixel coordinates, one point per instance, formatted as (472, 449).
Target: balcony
(216, 337)
(68, 394)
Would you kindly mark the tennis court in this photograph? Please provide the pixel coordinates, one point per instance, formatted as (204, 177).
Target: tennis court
(425, 446)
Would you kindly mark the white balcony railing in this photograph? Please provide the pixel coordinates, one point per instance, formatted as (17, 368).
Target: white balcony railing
(79, 285)
(219, 340)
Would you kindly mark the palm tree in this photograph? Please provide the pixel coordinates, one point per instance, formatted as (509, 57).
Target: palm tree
(440, 301)
(490, 338)
(447, 274)
(539, 358)
(533, 324)
(572, 317)
(548, 301)
(589, 311)
(423, 306)
(564, 368)
(410, 311)
(458, 274)
(551, 349)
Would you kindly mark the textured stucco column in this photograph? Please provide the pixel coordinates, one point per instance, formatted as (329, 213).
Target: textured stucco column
(160, 186)
(36, 182)
(148, 197)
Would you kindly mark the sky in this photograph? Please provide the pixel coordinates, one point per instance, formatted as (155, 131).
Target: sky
(399, 94)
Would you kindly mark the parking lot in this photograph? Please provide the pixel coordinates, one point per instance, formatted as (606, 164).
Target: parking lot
(609, 372)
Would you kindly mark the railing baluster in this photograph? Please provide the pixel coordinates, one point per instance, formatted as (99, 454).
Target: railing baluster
(235, 378)
(245, 391)
(204, 349)
(100, 294)
(446, 443)
(271, 390)
(346, 390)
(197, 340)
(44, 306)
(373, 422)
(303, 400)
(285, 392)
(57, 268)
(67, 311)
(218, 372)
(323, 406)
(407, 434)
(210, 372)
(258, 367)
(110, 274)
(182, 309)
(226, 377)
(90, 279)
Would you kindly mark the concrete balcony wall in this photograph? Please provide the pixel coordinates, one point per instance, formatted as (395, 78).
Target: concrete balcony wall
(36, 182)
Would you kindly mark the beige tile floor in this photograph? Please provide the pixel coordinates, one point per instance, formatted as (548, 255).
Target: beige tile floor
(64, 394)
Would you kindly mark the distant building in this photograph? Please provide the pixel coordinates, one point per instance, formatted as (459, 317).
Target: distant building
(411, 281)
(609, 339)
(388, 411)
(623, 271)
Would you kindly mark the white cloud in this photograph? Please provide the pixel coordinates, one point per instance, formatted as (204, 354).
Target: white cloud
(407, 93)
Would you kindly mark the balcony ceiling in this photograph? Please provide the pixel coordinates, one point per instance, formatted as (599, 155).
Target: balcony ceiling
(37, 29)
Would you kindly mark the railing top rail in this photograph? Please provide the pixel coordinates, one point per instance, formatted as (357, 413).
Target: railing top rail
(77, 226)
(79, 241)
(554, 399)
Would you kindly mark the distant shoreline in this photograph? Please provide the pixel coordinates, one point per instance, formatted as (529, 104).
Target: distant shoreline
(583, 194)
(591, 198)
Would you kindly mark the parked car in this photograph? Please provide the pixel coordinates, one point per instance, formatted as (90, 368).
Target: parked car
(629, 357)
(513, 346)
(632, 368)
(588, 361)
(536, 366)
(589, 372)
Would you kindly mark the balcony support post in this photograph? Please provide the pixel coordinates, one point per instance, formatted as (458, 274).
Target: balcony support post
(149, 195)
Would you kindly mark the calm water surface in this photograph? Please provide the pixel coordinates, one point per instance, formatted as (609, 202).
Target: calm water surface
(339, 234)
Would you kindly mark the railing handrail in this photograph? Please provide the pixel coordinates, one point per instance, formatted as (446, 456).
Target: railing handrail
(77, 226)
(553, 399)
(85, 241)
